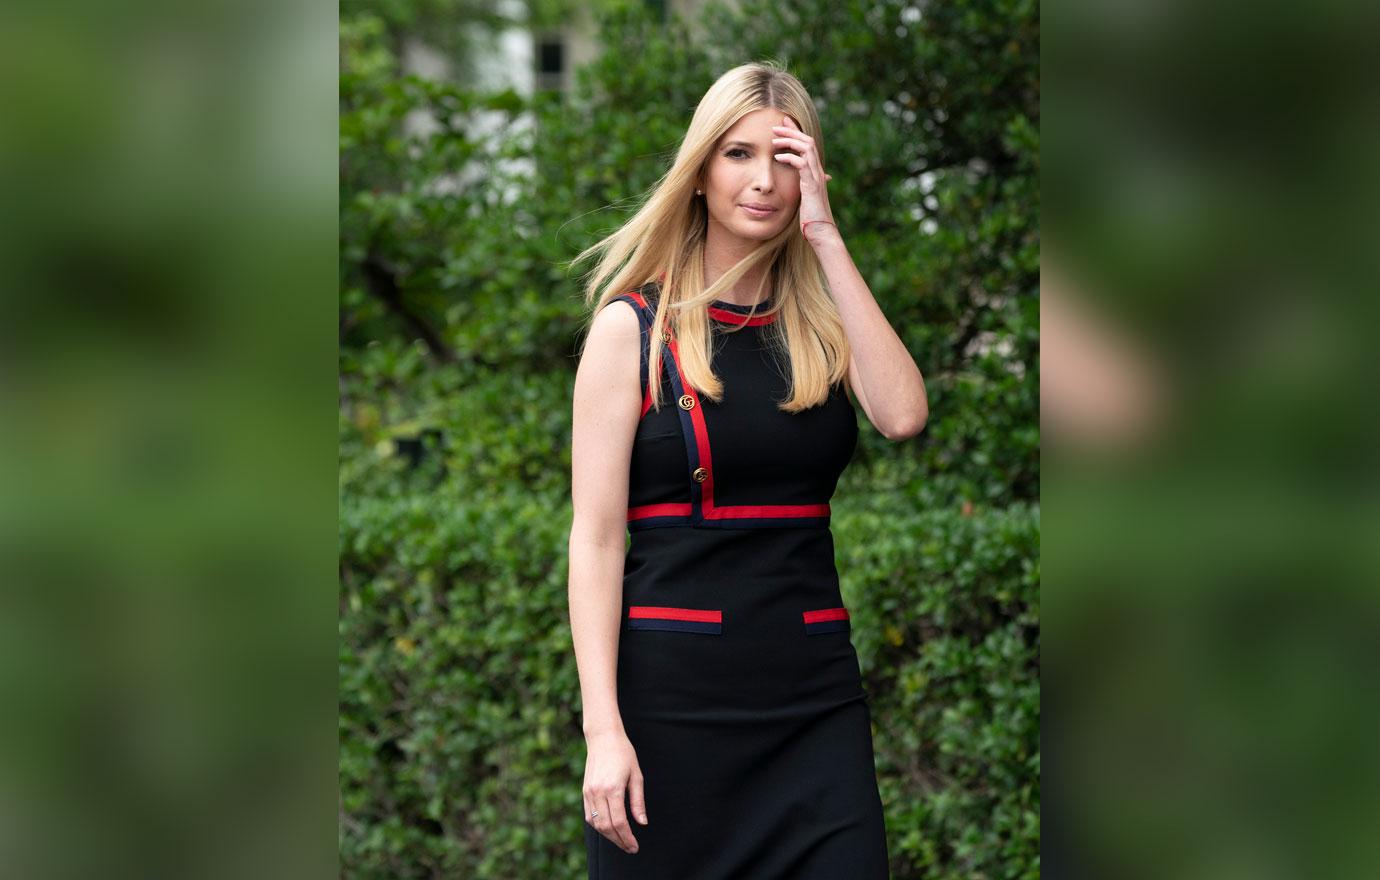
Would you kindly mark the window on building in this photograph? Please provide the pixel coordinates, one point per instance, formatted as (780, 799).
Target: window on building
(550, 63)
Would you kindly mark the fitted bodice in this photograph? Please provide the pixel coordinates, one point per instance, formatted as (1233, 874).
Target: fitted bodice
(740, 463)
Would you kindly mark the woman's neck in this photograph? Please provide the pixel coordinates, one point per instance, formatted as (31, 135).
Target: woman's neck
(721, 255)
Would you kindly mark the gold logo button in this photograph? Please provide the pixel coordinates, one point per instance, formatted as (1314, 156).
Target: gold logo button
(687, 402)
(700, 475)
(666, 336)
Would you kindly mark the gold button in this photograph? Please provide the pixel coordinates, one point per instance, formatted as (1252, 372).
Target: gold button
(666, 336)
(687, 402)
(700, 475)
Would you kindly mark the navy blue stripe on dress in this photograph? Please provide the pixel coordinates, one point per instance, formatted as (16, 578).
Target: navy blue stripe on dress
(687, 427)
(644, 330)
(764, 522)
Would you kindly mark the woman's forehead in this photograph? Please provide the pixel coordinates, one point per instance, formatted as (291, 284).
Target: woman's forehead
(757, 123)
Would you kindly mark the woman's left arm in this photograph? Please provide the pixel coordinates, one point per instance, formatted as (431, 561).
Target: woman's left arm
(881, 371)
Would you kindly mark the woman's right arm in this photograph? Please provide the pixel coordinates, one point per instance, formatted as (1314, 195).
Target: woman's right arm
(607, 405)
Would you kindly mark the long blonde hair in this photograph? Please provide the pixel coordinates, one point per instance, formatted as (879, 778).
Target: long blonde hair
(665, 240)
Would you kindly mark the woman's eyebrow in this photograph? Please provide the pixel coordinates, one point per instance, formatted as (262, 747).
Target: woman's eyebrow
(737, 144)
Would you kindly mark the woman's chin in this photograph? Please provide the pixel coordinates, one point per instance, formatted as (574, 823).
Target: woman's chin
(757, 231)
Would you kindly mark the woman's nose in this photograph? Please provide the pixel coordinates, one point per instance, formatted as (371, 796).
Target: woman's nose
(765, 176)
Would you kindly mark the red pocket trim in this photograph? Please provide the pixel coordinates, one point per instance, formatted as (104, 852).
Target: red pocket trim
(826, 614)
(662, 612)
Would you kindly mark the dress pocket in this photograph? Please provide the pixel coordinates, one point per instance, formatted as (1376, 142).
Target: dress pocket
(825, 620)
(709, 621)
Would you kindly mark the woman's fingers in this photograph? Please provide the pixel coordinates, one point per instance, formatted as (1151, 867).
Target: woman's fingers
(591, 809)
(611, 821)
(611, 770)
(799, 161)
(637, 796)
(801, 148)
(622, 832)
(796, 139)
(603, 823)
(793, 143)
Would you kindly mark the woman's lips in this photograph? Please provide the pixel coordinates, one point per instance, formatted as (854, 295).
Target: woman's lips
(756, 212)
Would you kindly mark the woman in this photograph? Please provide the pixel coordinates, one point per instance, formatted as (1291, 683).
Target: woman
(728, 733)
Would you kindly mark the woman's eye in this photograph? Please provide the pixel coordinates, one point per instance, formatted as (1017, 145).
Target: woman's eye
(730, 153)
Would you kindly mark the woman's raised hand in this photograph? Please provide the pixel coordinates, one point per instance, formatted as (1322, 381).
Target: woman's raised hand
(612, 774)
(800, 152)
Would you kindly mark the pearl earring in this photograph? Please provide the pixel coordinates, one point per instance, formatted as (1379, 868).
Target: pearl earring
(699, 192)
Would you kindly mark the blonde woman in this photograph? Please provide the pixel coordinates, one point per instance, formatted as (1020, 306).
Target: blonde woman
(728, 733)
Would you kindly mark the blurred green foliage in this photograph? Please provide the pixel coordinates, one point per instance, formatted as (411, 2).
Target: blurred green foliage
(461, 748)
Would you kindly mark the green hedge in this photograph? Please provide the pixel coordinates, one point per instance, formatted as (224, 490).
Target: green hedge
(946, 623)
(462, 752)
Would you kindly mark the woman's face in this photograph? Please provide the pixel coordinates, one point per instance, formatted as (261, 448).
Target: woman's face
(744, 171)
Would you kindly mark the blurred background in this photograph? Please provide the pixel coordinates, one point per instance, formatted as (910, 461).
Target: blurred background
(1212, 612)
(168, 402)
(481, 149)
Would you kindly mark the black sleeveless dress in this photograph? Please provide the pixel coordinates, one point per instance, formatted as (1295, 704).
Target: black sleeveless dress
(738, 683)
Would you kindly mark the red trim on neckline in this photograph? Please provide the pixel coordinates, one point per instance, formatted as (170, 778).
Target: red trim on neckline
(728, 317)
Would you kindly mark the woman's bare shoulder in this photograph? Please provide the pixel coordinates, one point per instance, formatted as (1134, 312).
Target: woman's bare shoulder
(610, 355)
(617, 319)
